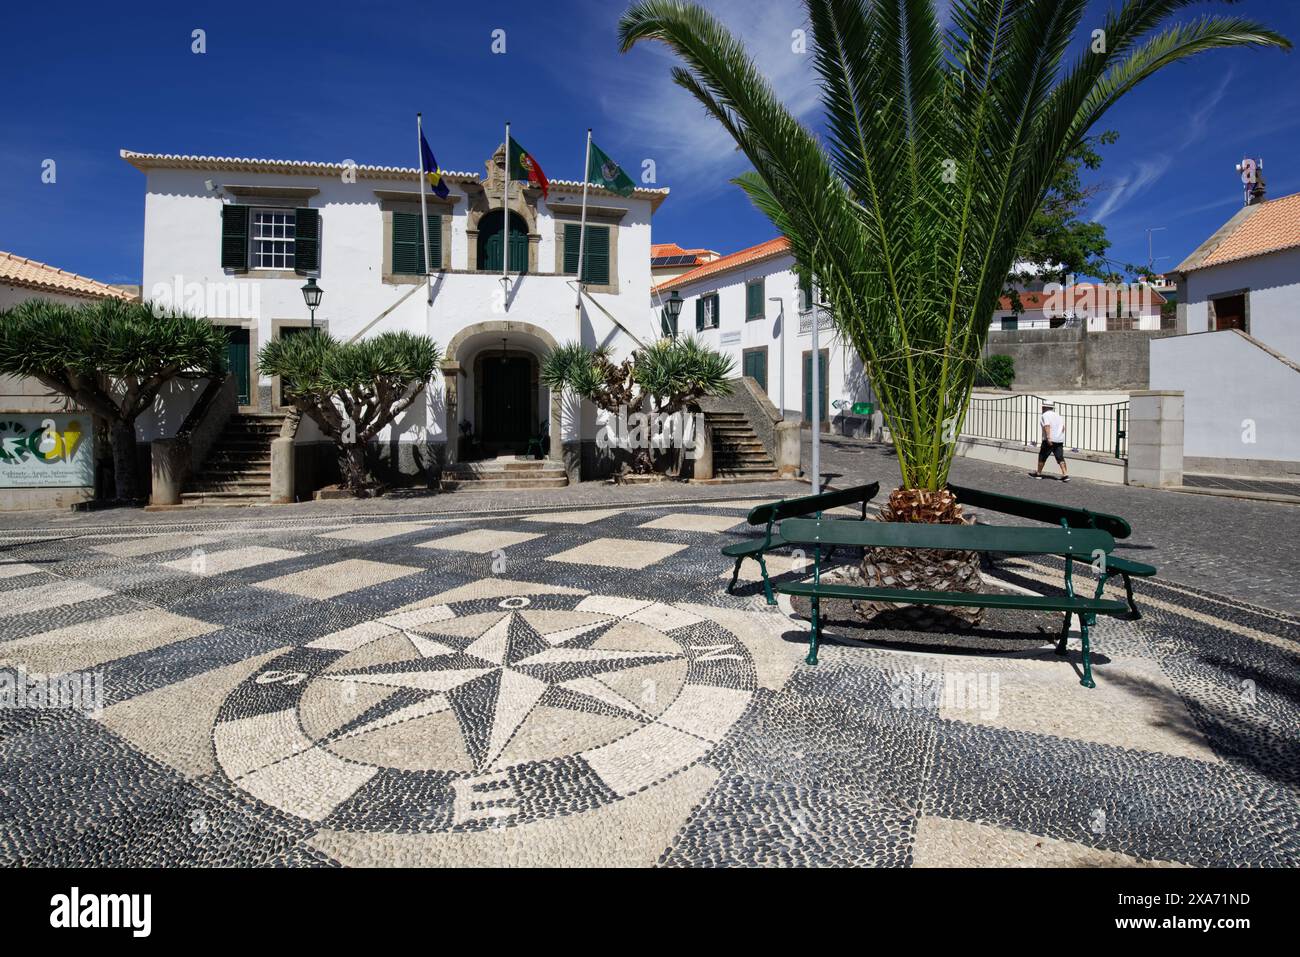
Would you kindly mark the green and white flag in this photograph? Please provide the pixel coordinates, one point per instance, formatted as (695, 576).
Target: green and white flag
(603, 171)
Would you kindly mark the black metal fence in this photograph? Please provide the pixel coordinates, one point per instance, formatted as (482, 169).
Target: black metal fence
(1099, 428)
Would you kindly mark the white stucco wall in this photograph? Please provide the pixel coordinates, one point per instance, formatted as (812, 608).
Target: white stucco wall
(846, 379)
(1240, 401)
(182, 247)
(1273, 284)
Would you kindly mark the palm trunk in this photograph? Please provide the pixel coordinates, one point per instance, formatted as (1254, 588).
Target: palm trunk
(125, 479)
(922, 569)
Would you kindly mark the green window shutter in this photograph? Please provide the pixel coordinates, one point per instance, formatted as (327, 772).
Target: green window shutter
(517, 245)
(699, 313)
(754, 300)
(435, 242)
(408, 257)
(805, 294)
(306, 245)
(597, 255)
(234, 237)
(571, 248)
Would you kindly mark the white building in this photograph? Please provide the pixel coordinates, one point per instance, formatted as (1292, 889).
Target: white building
(1098, 307)
(1238, 364)
(234, 239)
(750, 305)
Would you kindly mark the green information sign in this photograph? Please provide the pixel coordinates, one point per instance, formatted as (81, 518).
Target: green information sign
(46, 451)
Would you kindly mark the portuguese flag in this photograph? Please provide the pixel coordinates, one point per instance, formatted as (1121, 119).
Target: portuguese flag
(523, 166)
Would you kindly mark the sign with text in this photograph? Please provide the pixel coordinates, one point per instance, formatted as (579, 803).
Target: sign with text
(46, 451)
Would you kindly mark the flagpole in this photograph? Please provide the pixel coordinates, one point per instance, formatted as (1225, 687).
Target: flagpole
(505, 225)
(424, 216)
(582, 232)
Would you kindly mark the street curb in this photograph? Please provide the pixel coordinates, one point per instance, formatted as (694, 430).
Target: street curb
(1236, 493)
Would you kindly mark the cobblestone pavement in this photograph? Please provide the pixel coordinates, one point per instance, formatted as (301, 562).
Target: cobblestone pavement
(575, 686)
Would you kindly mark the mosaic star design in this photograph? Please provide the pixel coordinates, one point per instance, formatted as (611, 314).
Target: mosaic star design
(484, 711)
(505, 672)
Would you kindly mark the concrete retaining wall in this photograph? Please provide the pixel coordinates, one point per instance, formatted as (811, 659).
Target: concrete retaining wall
(1071, 358)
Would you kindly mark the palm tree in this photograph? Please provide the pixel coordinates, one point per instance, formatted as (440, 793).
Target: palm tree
(352, 390)
(940, 145)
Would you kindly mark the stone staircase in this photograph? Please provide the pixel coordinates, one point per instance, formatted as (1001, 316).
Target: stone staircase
(738, 454)
(237, 470)
(506, 472)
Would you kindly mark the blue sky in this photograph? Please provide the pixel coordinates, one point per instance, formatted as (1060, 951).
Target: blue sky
(335, 81)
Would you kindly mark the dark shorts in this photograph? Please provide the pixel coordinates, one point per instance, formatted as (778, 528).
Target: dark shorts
(1051, 448)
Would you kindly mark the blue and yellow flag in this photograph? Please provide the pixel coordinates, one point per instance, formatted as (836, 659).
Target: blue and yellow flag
(431, 169)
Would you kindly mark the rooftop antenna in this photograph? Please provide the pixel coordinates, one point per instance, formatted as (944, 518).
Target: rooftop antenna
(1252, 179)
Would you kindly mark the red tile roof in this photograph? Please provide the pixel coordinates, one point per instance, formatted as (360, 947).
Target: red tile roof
(672, 249)
(773, 247)
(1038, 301)
(1274, 225)
(30, 274)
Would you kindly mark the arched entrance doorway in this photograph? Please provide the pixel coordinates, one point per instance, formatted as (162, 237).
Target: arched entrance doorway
(490, 237)
(506, 400)
(495, 401)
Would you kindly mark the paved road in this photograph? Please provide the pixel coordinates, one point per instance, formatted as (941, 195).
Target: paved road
(1248, 550)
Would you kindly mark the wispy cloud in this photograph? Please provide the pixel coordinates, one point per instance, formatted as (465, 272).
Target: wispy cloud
(691, 150)
(1148, 170)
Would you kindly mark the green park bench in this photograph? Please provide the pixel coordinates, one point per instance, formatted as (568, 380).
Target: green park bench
(1073, 544)
(770, 513)
(1067, 517)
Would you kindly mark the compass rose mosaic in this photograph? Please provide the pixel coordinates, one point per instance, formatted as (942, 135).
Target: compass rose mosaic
(491, 705)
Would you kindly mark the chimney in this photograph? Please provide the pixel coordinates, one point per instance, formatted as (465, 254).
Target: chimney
(1252, 179)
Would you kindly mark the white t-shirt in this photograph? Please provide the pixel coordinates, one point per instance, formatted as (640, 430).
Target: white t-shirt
(1055, 426)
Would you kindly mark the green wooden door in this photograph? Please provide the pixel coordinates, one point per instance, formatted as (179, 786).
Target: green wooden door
(755, 366)
(507, 411)
(807, 388)
(518, 245)
(493, 243)
(237, 361)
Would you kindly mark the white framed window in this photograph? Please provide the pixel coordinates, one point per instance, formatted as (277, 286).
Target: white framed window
(272, 237)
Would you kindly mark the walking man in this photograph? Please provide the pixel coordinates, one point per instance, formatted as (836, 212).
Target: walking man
(1053, 427)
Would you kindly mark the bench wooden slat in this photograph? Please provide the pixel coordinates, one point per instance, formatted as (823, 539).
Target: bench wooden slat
(748, 547)
(1080, 543)
(969, 599)
(1126, 565)
(808, 504)
(1039, 511)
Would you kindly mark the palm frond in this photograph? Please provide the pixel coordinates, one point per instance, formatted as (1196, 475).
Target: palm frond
(940, 147)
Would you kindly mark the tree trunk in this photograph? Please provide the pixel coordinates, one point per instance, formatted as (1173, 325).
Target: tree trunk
(352, 464)
(922, 569)
(121, 437)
